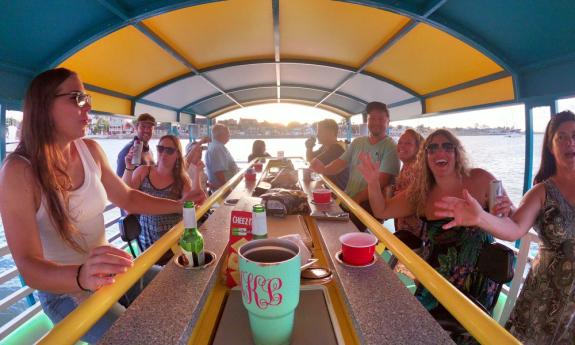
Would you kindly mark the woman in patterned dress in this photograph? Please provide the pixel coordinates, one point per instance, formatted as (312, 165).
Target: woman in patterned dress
(443, 171)
(168, 179)
(545, 310)
(408, 146)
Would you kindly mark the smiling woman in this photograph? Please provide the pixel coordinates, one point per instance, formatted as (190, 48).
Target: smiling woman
(442, 171)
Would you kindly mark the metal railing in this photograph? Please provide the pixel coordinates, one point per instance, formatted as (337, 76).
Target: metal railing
(25, 291)
(479, 324)
(78, 322)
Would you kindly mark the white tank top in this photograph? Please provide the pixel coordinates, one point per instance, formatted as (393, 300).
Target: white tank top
(86, 207)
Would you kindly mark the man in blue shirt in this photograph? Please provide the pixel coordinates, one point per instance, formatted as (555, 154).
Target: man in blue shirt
(144, 130)
(219, 162)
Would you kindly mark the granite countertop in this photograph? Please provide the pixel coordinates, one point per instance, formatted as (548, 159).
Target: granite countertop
(381, 308)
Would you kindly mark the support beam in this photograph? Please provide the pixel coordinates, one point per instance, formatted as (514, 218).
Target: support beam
(385, 47)
(528, 170)
(432, 7)
(118, 11)
(2, 132)
(276, 17)
(349, 134)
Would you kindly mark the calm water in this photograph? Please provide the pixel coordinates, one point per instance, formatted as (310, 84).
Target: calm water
(502, 156)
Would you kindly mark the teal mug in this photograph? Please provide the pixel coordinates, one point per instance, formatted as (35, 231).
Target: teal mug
(270, 282)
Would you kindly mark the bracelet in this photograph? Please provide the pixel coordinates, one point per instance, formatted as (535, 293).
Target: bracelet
(78, 279)
(129, 169)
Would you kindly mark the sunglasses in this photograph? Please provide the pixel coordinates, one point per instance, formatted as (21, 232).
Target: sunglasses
(447, 147)
(167, 150)
(82, 99)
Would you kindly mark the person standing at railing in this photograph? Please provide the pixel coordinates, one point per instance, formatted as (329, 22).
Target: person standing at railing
(258, 150)
(55, 187)
(329, 151)
(545, 310)
(219, 161)
(442, 170)
(379, 146)
(168, 179)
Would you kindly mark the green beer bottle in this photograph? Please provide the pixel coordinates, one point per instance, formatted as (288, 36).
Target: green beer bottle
(192, 241)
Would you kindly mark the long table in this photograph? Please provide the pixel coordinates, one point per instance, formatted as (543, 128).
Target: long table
(182, 304)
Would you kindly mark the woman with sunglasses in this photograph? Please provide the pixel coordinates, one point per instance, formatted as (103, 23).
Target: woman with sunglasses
(55, 187)
(442, 171)
(168, 179)
(545, 311)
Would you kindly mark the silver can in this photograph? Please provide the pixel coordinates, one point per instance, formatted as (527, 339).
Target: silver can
(495, 190)
(138, 147)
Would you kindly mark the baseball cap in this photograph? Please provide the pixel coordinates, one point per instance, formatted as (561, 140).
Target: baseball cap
(145, 117)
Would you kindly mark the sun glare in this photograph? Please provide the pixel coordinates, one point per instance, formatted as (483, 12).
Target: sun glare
(281, 113)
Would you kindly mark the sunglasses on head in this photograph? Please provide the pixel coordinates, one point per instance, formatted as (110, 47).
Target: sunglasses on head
(167, 150)
(82, 99)
(447, 147)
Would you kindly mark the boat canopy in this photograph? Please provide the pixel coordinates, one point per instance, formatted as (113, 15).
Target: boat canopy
(178, 59)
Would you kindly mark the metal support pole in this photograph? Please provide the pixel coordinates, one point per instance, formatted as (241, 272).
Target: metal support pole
(348, 122)
(210, 128)
(2, 132)
(528, 171)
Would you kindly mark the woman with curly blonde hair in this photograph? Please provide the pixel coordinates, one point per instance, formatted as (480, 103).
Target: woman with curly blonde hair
(443, 170)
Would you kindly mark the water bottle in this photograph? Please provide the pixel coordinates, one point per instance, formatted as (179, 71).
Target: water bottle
(138, 147)
(192, 241)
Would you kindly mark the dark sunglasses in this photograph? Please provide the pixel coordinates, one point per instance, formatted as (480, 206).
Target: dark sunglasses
(82, 99)
(167, 150)
(447, 147)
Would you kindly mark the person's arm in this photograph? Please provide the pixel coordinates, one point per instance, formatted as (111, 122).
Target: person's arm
(19, 201)
(121, 161)
(221, 179)
(396, 207)
(385, 180)
(468, 212)
(331, 169)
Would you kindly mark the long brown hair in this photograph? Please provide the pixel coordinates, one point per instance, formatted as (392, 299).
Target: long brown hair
(38, 145)
(548, 166)
(178, 172)
(419, 190)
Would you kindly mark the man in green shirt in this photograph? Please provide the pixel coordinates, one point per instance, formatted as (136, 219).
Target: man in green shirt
(381, 148)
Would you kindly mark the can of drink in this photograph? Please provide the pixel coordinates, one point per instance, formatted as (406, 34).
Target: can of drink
(280, 154)
(307, 174)
(495, 190)
(137, 157)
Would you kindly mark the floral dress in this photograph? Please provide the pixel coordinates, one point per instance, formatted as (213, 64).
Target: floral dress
(545, 310)
(454, 253)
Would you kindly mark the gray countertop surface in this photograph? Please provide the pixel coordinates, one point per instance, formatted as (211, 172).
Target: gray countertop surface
(380, 307)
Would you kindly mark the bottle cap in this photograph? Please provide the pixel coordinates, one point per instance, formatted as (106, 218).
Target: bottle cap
(259, 208)
(189, 204)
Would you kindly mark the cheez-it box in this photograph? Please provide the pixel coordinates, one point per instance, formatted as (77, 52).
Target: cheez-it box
(240, 233)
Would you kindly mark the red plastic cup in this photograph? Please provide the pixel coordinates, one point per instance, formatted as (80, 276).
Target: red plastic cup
(258, 167)
(357, 248)
(322, 196)
(250, 175)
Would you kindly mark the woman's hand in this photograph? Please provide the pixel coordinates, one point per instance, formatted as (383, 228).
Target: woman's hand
(102, 265)
(466, 211)
(368, 168)
(503, 207)
(317, 166)
(128, 159)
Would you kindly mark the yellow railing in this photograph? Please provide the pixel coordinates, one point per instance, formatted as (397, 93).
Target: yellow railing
(78, 322)
(479, 324)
